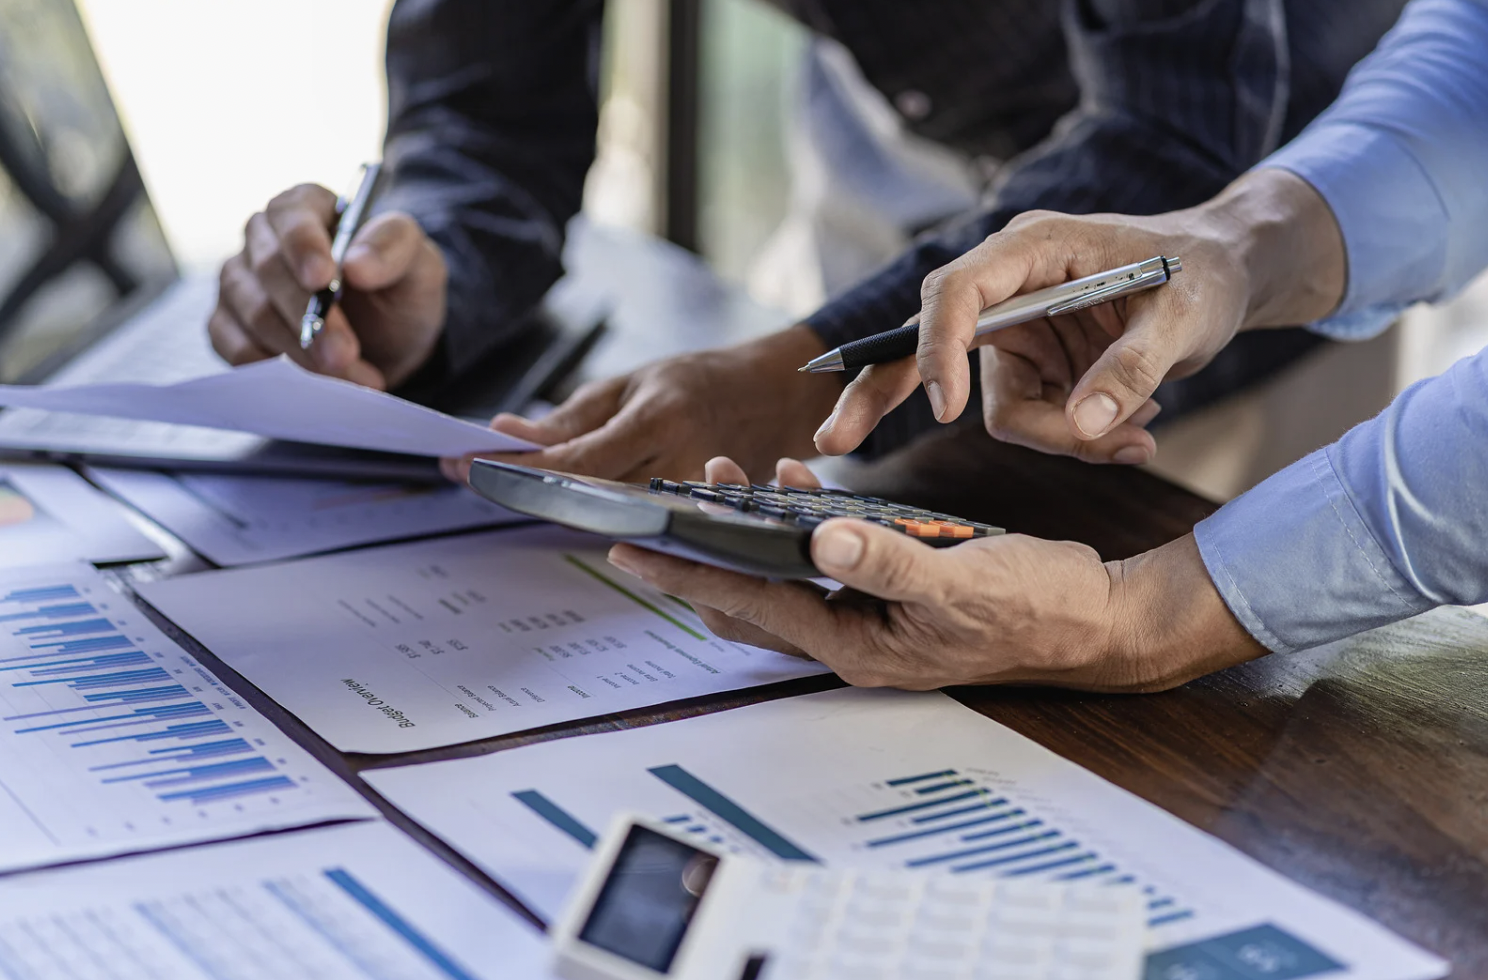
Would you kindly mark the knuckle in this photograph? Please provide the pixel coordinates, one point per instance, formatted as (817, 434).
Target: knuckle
(996, 420)
(897, 573)
(935, 283)
(1138, 369)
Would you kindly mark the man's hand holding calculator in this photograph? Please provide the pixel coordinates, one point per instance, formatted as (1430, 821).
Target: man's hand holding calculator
(1006, 609)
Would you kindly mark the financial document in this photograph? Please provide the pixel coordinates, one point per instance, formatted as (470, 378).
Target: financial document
(113, 739)
(240, 520)
(360, 902)
(418, 645)
(885, 779)
(50, 514)
(280, 400)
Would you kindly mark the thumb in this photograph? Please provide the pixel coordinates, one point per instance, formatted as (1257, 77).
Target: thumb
(874, 560)
(1122, 380)
(383, 251)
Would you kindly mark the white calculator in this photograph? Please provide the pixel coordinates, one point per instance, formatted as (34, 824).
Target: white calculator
(655, 906)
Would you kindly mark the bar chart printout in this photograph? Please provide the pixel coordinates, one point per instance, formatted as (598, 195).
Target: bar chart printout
(880, 780)
(114, 739)
(358, 902)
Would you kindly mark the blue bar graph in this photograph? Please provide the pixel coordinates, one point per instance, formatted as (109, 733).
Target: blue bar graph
(898, 811)
(906, 780)
(1025, 841)
(137, 716)
(79, 627)
(558, 817)
(68, 610)
(74, 665)
(114, 699)
(398, 924)
(189, 753)
(78, 688)
(197, 774)
(199, 730)
(85, 646)
(46, 593)
(215, 793)
(948, 820)
(730, 812)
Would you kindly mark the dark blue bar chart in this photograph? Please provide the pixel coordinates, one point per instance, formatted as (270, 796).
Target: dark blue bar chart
(109, 732)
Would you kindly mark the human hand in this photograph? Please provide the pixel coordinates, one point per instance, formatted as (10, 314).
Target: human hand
(1265, 253)
(668, 418)
(389, 317)
(1001, 610)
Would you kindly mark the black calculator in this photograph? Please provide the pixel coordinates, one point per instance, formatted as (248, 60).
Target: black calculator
(762, 530)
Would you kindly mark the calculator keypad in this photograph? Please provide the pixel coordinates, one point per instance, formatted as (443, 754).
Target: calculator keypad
(898, 926)
(808, 508)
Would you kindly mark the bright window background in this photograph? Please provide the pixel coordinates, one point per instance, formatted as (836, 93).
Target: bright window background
(229, 102)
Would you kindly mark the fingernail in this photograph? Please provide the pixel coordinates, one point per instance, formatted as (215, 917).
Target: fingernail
(623, 565)
(360, 253)
(937, 399)
(1132, 455)
(826, 427)
(1094, 415)
(837, 549)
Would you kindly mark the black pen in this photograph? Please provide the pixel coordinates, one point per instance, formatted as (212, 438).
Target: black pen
(349, 214)
(1081, 294)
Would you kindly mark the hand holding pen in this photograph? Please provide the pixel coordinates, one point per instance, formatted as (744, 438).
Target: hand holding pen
(1074, 381)
(350, 210)
(391, 306)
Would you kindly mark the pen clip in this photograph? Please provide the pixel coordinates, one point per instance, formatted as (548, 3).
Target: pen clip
(1107, 293)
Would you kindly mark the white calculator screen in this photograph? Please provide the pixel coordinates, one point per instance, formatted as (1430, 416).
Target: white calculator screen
(648, 900)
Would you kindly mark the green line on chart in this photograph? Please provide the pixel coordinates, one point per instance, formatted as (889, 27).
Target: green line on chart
(634, 598)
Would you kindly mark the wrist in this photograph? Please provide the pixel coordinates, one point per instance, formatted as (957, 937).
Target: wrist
(1169, 623)
(1287, 243)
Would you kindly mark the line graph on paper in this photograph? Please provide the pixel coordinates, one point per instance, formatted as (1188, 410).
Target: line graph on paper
(111, 736)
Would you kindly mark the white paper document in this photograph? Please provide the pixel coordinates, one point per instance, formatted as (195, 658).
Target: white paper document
(280, 400)
(113, 739)
(360, 902)
(239, 520)
(884, 779)
(49, 514)
(418, 645)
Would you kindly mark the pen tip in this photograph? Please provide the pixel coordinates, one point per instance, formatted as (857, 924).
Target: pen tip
(803, 369)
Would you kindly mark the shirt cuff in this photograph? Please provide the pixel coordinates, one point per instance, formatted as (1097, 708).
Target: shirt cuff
(1296, 564)
(1394, 223)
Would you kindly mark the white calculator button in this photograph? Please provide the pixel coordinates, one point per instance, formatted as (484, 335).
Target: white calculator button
(1029, 895)
(1105, 901)
(858, 967)
(865, 943)
(940, 949)
(953, 892)
(1017, 952)
(926, 971)
(952, 920)
(894, 889)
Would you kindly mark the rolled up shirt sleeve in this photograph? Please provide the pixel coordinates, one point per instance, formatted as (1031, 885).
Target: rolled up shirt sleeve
(1386, 523)
(1401, 159)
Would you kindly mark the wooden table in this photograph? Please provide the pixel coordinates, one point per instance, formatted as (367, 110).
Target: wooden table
(1359, 769)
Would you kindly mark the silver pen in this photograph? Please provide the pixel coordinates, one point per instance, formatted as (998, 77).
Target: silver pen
(1079, 294)
(349, 214)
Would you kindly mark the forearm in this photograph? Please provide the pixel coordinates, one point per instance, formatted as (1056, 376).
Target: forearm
(1169, 622)
(1399, 159)
(1286, 240)
(490, 132)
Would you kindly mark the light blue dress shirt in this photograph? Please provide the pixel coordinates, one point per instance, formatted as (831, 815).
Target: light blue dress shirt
(1393, 518)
